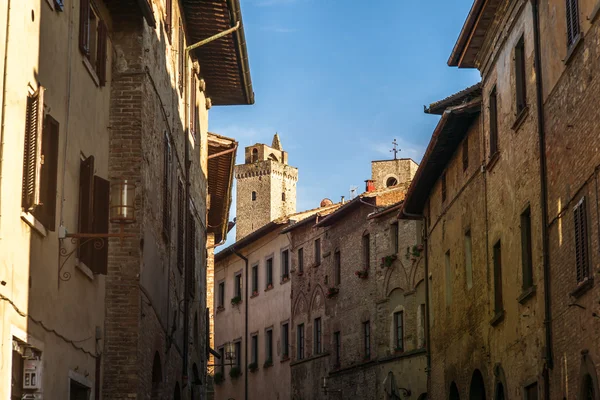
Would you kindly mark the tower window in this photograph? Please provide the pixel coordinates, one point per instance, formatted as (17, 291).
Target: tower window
(254, 155)
(283, 196)
(391, 181)
(253, 196)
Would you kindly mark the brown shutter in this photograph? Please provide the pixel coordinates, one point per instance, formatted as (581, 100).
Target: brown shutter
(46, 211)
(192, 254)
(84, 26)
(193, 126)
(33, 150)
(101, 57)
(181, 57)
(100, 224)
(86, 210)
(581, 241)
(167, 160)
(180, 222)
(168, 18)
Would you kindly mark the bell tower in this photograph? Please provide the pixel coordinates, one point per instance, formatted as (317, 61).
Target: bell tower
(266, 187)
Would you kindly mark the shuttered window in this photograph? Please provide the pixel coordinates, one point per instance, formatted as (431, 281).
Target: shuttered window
(572, 12)
(317, 334)
(399, 330)
(444, 186)
(526, 249)
(194, 111)
(366, 250)
(581, 241)
(167, 174)
(493, 122)
(367, 339)
(84, 26)
(181, 58)
(192, 253)
(301, 260)
(32, 156)
(465, 153)
(498, 306)
(337, 260)
(93, 39)
(180, 222)
(520, 84)
(45, 212)
(168, 18)
(285, 264)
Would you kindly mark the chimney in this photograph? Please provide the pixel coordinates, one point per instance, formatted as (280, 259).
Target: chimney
(370, 185)
(343, 197)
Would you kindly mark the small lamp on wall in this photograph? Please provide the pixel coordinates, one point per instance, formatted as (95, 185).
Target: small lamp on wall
(122, 202)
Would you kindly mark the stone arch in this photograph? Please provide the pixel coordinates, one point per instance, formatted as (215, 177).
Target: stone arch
(273, 157)
(477, 388)
(317, 298)
(254, 155)
(453, 393)
(392, 290)
(500, 387)
(300, 306)
(588, 379)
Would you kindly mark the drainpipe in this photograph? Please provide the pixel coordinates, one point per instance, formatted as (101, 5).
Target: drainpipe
(427, 305)
(188, 269)
(544, 190)
(2, 122)
(234, 251)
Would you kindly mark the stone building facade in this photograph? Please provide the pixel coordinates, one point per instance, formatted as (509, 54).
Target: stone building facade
(358, 297)
(55, 96)
(266, 187)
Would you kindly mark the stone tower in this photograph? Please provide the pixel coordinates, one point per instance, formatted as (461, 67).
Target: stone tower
(266, 187)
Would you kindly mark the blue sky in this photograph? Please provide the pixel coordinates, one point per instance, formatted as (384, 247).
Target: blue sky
(340, 80)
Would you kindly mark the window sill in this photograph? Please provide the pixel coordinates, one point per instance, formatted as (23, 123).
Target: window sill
(220, 309)
(284, 280)
(595, 12)
(285, 359)
(493, 161)
(254, 294)
(520, 118)
(90, 69)
(315, 265)
(527, 294)
(573, 49)
(499, 317)
(300, 273)
(582, 288)
(269, 288)
(84, 270)
(33, 222)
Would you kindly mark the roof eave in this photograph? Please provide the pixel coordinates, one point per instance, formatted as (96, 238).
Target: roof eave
(462, 43)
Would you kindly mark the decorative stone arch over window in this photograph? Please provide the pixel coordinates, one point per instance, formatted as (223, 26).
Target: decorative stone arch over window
(500, 388)
(588, 379)
(299, 308)
(317, 299)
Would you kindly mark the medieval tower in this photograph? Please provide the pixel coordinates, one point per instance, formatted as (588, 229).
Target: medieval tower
(266, 187)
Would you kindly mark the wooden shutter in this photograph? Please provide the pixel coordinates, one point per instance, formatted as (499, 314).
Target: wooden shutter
(181, 57)
(572, 12)
(100, 224)
(180, 222)
(193, 109)
(498, 303)
(86, 210)
(167, 160)
(84, 26)
(192, 253)
(520, 86)
(102, 53)
(465, 153)
(33, 150)
(581, 241)
(168, 18)
(493, 123)
(45, 212)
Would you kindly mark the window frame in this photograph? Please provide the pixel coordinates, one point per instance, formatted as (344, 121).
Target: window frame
(497, 260)
(367, 339)
(221, 295)
(337, 267)
(300, 259)
(366, 250)
(526, 249)
(254, 348)
(399, 331)
(269, 345)
(238, 285)
(337, 343)
(581, 242)
(573, 23)
(255, 279)
(317, 333)
(317, 248)
(465, 153)
(300, 342)
(285, 340)
(285, 264)
(493, 121)
(395, 237)
(269, 271)
(237, 345)
(468, 241)
(520, 76)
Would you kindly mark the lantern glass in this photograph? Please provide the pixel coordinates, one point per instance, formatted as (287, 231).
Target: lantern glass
(230, 351)
(122, 209)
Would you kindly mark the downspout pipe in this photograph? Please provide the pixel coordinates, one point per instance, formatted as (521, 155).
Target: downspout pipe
(188, 268)
(234, 251)
(3, 121)
(544, 191)
(427, 288)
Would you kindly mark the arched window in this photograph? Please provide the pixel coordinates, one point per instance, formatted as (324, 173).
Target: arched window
(453, 392)
(177, 392)
(477, 390)
(253, 196)
(499, 391)
(254, 155)
(391, 181)
(156, 376)
(587, 390)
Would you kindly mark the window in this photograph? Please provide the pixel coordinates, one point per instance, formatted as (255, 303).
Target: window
(317, 251)
(194, 110)
(581, 241)
(191, 252)
(40, 162)
(285, 340)
(572, 13)
(468, 259)
(285, 264)
(283, 196)
(421, 325)
(93, 39)
(531, 392)
(238, 354)
(254, 155)
(168, 18)
(392, 181)
(269, 272)
(180, 222)
(520, 82)
(526, 256)
(366, 250)
(399, 330)
(493, 122)
(498, 277)
(448, 278)
(338, 267)
(167, 173)
(269, 346)
(443, 187)
(253, 196)
(94, 198)
(222, 361)
(367, 338)
(221, 294)
(254, 349)
(318, 346)
(394, 236)
(338, 347)
(238, 285)
(465, 153)
(300, 260)
(255, 279)
(181, 49)
(77, 391)
(300, 345)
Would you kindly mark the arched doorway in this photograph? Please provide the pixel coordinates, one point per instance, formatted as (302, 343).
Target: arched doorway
(177, 393)
(477, 389)
(453, 392)
(156, 377)
(587, 389)
(499, 391)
